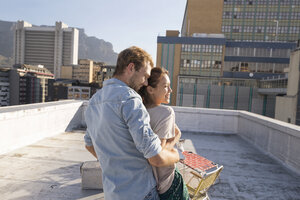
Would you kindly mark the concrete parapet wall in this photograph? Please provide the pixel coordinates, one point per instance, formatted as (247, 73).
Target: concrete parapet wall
(278, 139)
(206, 120)
(25, 124)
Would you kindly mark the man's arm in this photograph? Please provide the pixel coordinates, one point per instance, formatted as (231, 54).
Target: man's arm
(91, 150)
(172, 141)
(88, 143)
(166, 157)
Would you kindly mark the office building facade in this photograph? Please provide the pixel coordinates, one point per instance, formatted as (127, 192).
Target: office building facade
(215, 68)
(48, 46)
(261, 20)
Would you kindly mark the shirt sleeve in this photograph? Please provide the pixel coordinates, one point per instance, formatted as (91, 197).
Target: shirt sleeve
(138, 121)
(87, 138)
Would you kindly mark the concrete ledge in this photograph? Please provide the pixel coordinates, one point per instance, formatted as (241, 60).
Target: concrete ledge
(25, 124)
(278, 139)
(206, 120)
(91, 175)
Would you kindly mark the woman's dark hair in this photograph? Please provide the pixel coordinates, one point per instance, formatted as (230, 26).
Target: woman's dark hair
(156, 74)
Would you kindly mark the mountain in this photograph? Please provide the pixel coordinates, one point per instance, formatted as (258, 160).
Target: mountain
(5, 62)
(95, 49)
(88, 47)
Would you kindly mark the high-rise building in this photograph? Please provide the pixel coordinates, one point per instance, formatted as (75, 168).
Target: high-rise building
(48, 46)
(261, 20)
(225, 48)
(244, 20)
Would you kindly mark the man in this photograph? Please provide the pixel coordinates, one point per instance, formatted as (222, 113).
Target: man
(119, 133)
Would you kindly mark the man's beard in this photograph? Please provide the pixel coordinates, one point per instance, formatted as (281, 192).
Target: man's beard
(133, 85)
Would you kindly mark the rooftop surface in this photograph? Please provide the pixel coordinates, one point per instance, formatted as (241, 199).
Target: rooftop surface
(49, 169)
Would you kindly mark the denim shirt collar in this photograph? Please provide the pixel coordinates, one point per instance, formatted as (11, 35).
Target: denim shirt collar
(114, 81)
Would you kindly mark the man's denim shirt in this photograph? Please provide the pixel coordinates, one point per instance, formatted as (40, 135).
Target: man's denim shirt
(118, 128)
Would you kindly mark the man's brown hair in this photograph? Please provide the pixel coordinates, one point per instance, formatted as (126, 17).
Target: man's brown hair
(134, 55)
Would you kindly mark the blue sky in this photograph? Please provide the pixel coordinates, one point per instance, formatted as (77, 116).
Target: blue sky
(122, 22)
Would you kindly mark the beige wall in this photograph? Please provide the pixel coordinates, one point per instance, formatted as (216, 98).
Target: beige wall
(285, 109)
(86, 71)
(158, 55)
(172, 33)
(293, 77)
(286, 106)
(83, 71)
(203, 16)
(66, 72)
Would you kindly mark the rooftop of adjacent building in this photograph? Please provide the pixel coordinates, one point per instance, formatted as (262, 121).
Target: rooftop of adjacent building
(40, 158)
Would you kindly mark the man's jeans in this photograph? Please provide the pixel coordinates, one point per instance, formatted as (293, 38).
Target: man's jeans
(152, 195)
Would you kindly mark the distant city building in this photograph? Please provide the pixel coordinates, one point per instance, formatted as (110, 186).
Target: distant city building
(48, 46)
(106, 72)
(4, 87)
(226, 48)
(86, 71)
(79, 93)
(29, 84)
(69, 89)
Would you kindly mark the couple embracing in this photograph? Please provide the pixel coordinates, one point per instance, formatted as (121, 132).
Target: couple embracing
(132, 134)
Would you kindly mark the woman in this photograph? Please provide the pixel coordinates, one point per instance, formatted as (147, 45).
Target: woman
(170, 184)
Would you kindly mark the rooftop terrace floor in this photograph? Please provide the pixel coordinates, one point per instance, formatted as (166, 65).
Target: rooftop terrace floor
(49, 169)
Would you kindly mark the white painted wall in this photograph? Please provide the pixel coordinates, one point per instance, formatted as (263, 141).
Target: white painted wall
(278, 139)
(25, 124)
(206, 120)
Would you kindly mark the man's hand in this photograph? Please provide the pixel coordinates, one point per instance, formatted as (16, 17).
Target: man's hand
(91, 150)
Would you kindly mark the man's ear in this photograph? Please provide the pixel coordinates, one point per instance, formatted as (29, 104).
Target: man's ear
(130, 67)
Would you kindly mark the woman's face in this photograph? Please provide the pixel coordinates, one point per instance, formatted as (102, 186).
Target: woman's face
(161, 94)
